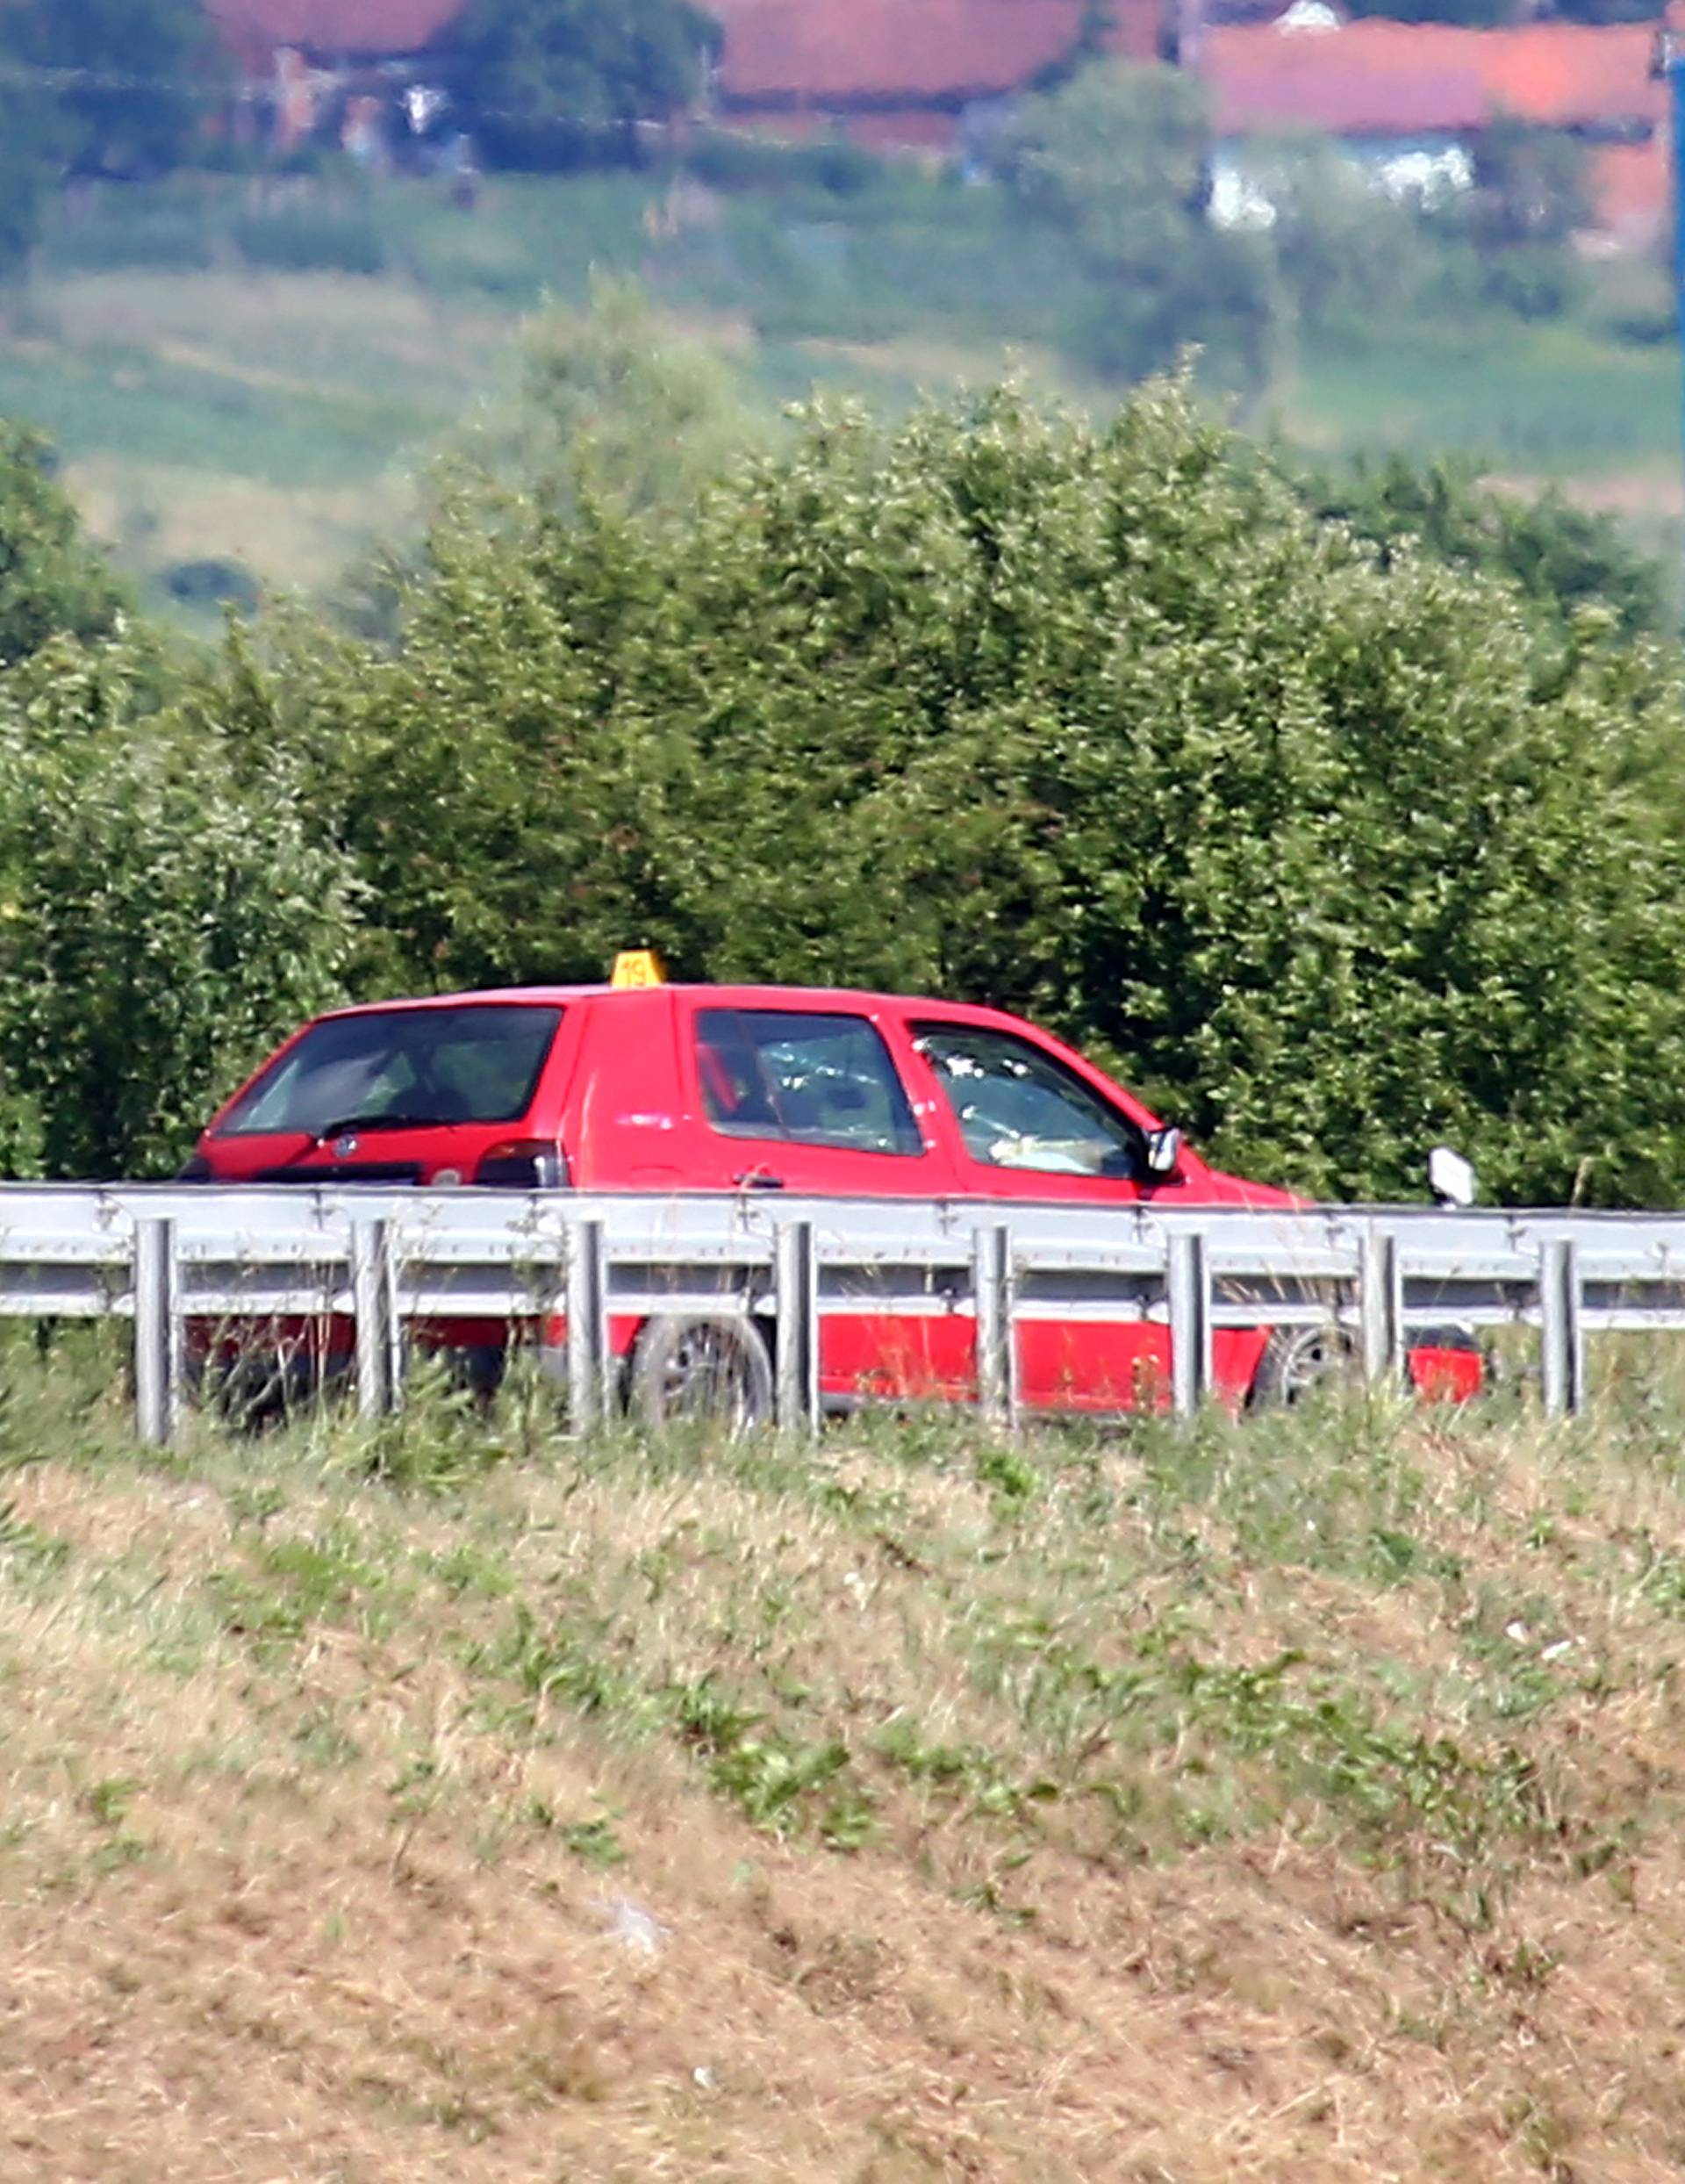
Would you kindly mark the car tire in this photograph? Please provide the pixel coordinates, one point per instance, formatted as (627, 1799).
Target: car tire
(711, 1371)
(1300, 1362)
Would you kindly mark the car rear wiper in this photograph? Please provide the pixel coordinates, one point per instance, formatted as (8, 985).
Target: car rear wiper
(392, 1119)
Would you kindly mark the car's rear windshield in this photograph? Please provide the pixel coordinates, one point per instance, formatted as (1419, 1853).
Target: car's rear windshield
(402, 1068)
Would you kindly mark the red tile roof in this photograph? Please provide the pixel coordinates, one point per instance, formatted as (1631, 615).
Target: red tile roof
(838, 53)
(254, 28)
(1378, 78)
(1573, 72)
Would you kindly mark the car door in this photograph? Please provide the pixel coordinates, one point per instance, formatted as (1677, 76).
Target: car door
(808, 1098)
(1024, 1124)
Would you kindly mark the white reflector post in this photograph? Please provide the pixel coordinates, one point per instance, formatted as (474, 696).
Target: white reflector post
(795, 1276)
(157, 1331)
(588, 1333)
(1189, 1286)
(997, 1335)
(372, 1302)
(1381, 1308)
(1562, 1342)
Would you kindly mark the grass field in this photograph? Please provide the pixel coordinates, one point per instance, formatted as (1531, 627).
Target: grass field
(1298, 1800)
(241, 372)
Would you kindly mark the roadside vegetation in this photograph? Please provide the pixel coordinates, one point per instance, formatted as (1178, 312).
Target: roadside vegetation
(1341, 815)
(1293, 1800)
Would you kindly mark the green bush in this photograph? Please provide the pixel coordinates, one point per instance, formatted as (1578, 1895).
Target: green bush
(1335, 852)
(735, 160)
(161, 924)
(212, 583)
(52, 582)
(1535, 280)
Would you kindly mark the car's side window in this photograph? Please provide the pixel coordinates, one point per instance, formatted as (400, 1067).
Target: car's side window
(807, 1078)
(1017, 1107)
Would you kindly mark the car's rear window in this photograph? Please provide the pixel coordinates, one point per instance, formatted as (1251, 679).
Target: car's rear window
(395, 1068)
(809, 1078)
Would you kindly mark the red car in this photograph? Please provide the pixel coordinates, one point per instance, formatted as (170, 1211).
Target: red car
(661, 1088)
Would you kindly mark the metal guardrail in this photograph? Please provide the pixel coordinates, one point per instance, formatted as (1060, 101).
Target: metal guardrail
(163, 1256)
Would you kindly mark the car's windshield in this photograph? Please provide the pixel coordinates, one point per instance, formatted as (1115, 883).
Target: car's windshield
(395, 1068)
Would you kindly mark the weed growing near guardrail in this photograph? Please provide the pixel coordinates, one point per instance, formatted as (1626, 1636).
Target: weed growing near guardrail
(1340, 1743)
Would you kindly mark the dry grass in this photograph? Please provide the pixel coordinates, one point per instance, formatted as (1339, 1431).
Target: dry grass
(1294, 1802)
(155, 514)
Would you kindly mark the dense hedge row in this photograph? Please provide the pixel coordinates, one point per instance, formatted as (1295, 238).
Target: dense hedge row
(1333, 848)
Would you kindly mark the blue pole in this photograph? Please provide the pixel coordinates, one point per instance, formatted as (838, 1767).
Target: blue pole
(1674, 62)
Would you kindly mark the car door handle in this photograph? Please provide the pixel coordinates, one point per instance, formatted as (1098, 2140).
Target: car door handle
(758, 1179)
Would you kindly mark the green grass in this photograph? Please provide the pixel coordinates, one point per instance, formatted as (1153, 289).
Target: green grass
(274, 409)
(1549, 401)
(1344, 1737)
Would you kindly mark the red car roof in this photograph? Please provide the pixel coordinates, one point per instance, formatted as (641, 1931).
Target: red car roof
(829, 997)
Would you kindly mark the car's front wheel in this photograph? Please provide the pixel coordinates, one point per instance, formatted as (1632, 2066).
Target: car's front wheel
(711, 1371)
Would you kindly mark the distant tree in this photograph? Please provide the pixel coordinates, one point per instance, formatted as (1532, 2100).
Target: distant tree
(563, 83)
(52, 582)
(1561, 556)
(1119, 153)
(1478, 14)
(25, 174)
(1607, 11)
(1350, 257)
(1481, 14)
(1530, 184)
(614, 410)
(122, 84)
(1118, 157)
(617, 405)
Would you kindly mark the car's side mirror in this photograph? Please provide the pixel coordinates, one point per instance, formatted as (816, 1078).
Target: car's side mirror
(1163, 1150)
(1451, 1179)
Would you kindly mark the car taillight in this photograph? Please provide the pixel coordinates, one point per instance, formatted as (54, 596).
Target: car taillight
(195, 1170)
(525, 1164)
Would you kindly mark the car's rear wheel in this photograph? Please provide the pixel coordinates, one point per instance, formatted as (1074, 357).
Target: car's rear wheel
(711, 1371)
(1302, 1362)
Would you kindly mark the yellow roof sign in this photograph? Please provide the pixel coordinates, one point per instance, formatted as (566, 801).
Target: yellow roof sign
(637, 966)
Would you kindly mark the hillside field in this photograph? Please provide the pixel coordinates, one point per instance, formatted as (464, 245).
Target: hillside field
(452, 1800)
(259, 372)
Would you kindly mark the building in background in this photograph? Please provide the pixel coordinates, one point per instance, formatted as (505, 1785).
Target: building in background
(340, 67)
(1408, 101)
(899, 74)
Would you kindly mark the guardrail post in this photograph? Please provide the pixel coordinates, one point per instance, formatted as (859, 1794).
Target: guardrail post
(992, 1288)
(795, 1281)
(157, 1331)
(1562, 1342)
(1380, 1303)
(372, 1302)
(1187, 1281)
(587, 1297)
